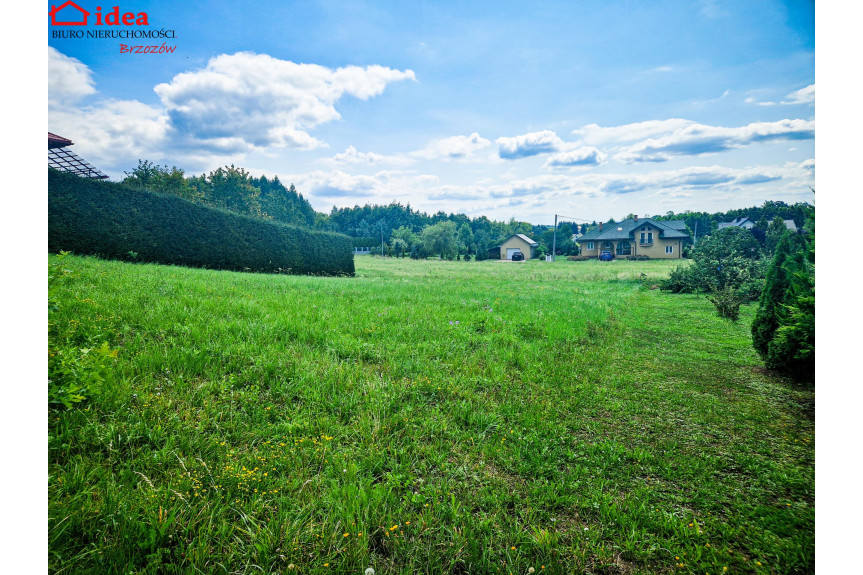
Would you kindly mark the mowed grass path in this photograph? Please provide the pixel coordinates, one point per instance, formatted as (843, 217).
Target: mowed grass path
(422, 417)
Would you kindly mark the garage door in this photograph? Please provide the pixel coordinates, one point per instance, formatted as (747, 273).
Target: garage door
(510, 251)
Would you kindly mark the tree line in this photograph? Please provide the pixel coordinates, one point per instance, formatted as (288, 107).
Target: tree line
(228, 188)
(403, 228)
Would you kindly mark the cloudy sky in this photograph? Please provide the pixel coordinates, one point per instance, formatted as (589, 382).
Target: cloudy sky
(507, 109)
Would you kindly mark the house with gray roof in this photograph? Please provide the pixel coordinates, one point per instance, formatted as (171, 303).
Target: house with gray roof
(741, 222)
(746, 223)
(636, 237)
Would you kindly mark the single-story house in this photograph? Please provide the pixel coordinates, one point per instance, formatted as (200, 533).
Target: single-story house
(636, 237)
(517, 243)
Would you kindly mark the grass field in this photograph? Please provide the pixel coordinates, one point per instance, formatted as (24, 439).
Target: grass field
(422, 417)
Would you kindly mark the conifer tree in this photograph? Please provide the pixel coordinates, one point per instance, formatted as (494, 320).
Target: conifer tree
(783, 331)
(776, 284)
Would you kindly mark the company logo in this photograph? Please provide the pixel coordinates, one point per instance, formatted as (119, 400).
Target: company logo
(70, 14)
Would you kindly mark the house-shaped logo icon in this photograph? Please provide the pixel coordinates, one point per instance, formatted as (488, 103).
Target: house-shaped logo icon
(66, 18)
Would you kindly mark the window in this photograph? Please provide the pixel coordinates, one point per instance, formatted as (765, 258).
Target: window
(624, 248)
(647, 237)
(669, 249)
(590, 245)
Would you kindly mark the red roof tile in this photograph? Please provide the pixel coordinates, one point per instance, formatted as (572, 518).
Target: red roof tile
(55, 141)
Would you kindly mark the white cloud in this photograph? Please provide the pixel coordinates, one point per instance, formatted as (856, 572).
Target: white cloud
(453, 148)
(692, 180)
(69, 79)
(586, 156)
(236, 104)
(352, 156)
(597, 135)
(112, 132)
(336, 184)
(528, 145)
(753, 100)
(620, 192)
(802, 96)
(706, 178)
(249, 100)
(697, 139)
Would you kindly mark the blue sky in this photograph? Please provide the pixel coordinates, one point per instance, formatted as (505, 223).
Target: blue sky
(506, 109)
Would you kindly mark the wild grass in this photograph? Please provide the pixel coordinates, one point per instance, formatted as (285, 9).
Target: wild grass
(422, 417)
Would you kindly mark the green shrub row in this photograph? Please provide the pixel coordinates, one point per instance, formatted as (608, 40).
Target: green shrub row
(117, 222)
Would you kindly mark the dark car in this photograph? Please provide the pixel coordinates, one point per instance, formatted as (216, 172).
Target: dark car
(517, 257)
(606, 257)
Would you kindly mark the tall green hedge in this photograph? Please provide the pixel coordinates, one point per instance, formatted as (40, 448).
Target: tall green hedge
(114, 221)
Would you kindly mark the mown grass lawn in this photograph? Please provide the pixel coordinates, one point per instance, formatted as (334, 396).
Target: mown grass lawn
(422, 417)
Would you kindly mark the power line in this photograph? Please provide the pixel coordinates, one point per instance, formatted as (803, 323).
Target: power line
(554, 239)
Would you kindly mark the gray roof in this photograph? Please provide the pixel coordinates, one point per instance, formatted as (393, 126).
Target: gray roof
(525, 238)
(736, 222)
(742, 220)
(626, 230)
(522, 237)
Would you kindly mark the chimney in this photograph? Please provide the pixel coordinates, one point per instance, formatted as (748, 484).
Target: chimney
(636, 217)
(600, 226)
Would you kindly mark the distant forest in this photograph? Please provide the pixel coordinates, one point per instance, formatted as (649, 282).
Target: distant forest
(402, 228)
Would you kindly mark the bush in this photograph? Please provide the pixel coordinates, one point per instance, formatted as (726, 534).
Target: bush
(638, 258)
(114, 221)
(680, 280)
(729, 258)
(578, 258)
(727, 302)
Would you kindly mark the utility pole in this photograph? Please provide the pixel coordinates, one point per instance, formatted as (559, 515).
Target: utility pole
(554, 241)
